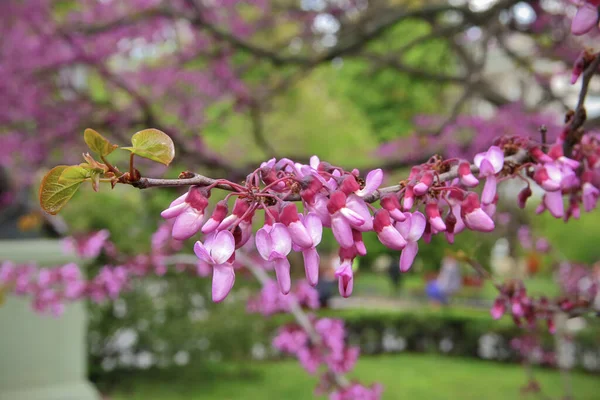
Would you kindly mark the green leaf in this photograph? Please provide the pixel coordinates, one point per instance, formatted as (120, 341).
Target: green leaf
(98, 143)
(54, 194)
(74, 174)
(154, 145)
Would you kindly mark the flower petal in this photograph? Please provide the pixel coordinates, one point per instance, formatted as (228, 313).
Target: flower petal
(313, 224)
(282, 271)
(187, 224)
(342, 231)
(311, 265)
(203, 253)
(264, 244)
(222, 247)
(407, 257)
(358, 205)
(417, 227)
(584, 20)
(174, 211)
(372, 183)
(489, 190)
(554, 203)
(281, 239)
(222, 281)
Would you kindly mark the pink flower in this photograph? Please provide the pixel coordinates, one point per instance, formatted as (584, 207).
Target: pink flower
(412, 228)
(553, 202)
(218, 215)
(423, 185)
(391, 203)
(345, 278)
(549, 177)
(188, 211)
(590, 196)
(314, 227)
(274, 245)
(343, 219)
(499, 308)
(386, 232)
(432, 211)
(489, 164)
(586, 18)
(372, 183)
(359, 206)
(473, 216)
(218, 251)
(240, 208)
(289, 217)
(466, 176)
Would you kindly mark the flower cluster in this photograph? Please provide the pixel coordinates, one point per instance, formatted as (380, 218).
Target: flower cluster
(438, 197)
(270, 300)
(329, 351)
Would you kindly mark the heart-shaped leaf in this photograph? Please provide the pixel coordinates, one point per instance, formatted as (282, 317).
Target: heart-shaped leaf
(54, 194)
(154, 145)
(98, 143)
(73, 174)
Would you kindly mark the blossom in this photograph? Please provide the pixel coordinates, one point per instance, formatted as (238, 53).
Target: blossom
(590, 196)
(387, 232)
(391, 203)
(586, 18)
(345, 278)
(218, 215)
(343, 219)
(372, 183)
(188, 212)
(412, 228)
(274, 245)
(466, 176)
(290, 218)
(86, 247)
(473, 216)
(314, 227)
(218, 251)
(489, 164)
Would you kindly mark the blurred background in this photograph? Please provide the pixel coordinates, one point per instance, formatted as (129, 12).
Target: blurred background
(362, 84)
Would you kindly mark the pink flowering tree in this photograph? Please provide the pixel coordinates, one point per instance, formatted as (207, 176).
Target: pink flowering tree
(168, 66)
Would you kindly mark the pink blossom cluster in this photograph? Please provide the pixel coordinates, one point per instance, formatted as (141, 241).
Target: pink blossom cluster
(467, 135)
(578, 283)
(580, 290)
(270, 300)
(437, 197)
(52, 288)
(356, 391)
(331, 351)
(530, 348)
(527, 242)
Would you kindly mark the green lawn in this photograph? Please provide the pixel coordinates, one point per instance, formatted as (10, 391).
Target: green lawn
(406, 376)
(373, 284)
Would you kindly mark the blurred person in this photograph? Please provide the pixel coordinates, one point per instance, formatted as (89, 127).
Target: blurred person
(448, 282)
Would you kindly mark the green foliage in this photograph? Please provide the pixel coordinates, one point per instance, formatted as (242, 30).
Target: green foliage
(406, 376)
(54, 194)
(98, 143)
(153, 145)
(388, 98)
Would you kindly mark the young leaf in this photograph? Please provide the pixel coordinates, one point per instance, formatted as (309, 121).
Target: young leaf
(98, 143)
(154, 145)
(54, 194)
(73, 174)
